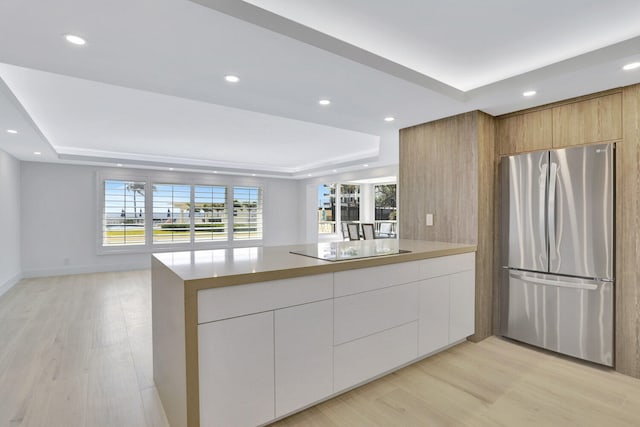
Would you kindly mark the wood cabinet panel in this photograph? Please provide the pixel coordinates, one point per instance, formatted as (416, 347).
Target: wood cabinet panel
(525, 132)
(627, 340)
(587, 122)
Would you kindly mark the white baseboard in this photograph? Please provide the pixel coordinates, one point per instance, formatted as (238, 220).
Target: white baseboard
(85, 269)
(4, 287)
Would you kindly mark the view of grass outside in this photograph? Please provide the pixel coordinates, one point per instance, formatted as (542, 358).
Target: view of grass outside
(124, 219)
(247, 213)
(171, 213)
(211, 217)
(124, 213)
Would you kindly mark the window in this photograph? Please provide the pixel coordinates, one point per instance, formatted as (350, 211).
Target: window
(123, 216)
(326, 208)
(349, 202)
(171, 213)
(385, 197)
(247, 213)
(182, 215)
(211, 220)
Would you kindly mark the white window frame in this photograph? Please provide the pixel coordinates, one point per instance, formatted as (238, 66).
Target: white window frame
(175, 179)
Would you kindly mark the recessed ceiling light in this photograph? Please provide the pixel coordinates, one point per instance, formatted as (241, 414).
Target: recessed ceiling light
(170, 169)
(75, 39)
(335, 170)
(631, 66)
(12, 131)
(119, 165)
(389, 119)
(324, 102)
(215, 171)
(308, 174)
(231, 78)
(365, 165)
(529, 93)
(37, 153)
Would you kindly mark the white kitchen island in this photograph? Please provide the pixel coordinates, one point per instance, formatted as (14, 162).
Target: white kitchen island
(245, 336)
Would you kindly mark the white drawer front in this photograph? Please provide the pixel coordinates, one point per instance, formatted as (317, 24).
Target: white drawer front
(442, 266)
(368, 279)
(360, 360)
(366, 313)
(232, 301)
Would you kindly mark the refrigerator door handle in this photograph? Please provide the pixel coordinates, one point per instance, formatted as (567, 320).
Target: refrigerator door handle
(553, 250)
(542, 187)
(547, 282)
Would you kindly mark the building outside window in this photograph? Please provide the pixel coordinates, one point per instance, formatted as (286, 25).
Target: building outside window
(327, 208)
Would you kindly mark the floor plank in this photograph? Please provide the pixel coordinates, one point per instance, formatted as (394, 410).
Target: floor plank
(75, 351)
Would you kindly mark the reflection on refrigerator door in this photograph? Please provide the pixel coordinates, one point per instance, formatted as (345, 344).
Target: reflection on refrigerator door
(569, 315)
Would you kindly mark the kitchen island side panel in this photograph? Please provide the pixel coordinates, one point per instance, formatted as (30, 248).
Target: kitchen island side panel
(169, 358)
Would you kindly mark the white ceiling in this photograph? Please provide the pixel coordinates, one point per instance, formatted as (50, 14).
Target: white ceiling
(148, 87)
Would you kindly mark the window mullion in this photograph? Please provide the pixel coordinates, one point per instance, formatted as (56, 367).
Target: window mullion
(192, 226)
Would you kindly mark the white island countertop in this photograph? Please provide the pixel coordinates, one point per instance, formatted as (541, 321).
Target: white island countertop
(234, 266)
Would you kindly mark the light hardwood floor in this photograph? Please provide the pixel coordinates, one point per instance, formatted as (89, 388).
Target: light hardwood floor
(76, 351)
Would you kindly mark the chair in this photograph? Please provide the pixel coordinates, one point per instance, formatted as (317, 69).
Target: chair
(368, 231)
(345, 231)
(354, 231)
(386, 230)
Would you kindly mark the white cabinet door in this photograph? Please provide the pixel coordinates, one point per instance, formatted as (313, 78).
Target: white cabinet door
(235, 359)
(434, 315)
(463, 302)
(304, 355)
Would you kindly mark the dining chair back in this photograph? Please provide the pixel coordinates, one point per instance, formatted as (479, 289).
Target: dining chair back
(354, 232)
(368, 231)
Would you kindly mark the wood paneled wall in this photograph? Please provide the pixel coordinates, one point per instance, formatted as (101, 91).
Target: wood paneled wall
(438, 174)
(627, 357)
(447, 168)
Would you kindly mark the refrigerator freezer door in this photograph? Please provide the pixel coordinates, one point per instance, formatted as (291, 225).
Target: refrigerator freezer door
(524, 193)
(568, 315)
(581, 211)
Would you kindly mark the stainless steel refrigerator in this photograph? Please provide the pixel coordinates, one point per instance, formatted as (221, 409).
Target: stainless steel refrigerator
(558, 250)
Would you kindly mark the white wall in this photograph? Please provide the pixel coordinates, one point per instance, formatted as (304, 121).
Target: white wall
(10, 262)
(60, 216)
